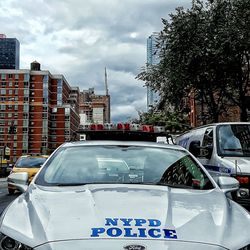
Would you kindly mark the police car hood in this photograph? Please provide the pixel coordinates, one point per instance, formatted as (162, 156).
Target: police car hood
(131, 212)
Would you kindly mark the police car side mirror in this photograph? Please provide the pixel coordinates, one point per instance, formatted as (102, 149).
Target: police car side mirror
(194, 148)
(20, 180)
(228, 184)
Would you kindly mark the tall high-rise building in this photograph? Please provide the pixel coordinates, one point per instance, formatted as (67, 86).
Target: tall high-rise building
(9, 52)
(38, 111)
(152, 59)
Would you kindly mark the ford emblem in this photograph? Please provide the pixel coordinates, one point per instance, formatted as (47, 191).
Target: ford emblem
(134, 247)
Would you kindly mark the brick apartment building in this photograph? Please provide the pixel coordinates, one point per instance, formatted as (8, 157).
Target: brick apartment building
(38, 111)
(94, 108)
(198, 114)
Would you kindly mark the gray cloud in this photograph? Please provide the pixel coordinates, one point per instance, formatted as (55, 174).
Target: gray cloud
(80, 38)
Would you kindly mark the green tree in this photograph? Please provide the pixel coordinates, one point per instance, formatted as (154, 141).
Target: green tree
(205, 49)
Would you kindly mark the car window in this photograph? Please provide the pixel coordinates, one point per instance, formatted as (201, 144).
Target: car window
(30, 162)
(129, 164)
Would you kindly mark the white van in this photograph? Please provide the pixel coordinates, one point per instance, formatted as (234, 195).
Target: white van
(224, 149)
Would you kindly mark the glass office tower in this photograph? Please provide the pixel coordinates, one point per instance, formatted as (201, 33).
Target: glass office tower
(9, 53)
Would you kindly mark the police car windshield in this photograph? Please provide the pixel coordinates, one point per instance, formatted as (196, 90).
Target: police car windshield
(123, 165)
(234, 140)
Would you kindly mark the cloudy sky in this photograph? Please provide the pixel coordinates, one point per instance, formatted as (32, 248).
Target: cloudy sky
(79, 38)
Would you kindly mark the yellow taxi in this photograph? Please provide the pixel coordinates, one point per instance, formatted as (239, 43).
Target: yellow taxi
(27, 163)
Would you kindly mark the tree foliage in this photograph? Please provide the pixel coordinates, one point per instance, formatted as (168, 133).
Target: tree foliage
(205, 49)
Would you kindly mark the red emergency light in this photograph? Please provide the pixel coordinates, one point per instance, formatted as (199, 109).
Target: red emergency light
(148, 128)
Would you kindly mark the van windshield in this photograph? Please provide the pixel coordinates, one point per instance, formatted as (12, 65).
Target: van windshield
(233, 140)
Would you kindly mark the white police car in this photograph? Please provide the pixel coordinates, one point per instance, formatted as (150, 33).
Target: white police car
(163, 199)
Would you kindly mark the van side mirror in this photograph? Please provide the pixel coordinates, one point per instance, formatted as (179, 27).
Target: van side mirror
(207, 151)
(194, 148)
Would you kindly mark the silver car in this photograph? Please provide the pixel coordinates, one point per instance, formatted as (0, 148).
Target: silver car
(104, 195)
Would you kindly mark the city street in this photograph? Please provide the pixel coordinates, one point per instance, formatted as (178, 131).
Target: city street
(5, 198)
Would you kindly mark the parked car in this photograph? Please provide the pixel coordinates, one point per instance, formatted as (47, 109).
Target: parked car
(163, 199)
(224, 149)
(26, 163)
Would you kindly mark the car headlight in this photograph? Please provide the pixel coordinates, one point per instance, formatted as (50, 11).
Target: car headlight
(245, 248)
(7, 243)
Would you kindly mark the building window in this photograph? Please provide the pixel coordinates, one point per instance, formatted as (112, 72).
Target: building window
(25, 84)
(10, 84)
(1, 130)
(45, 108)
(25, 107)
(25, 123)
(26, 77)
(16, 107)
(16, 76)
(3, 92)
(67, 111)
(26, 92)
(3, 84)
(16, 84)
(53, 138)
(9, 115)
(67, 124)
(14, 144)
(25, 130)
(9, 107)
(10, 91)
(53, 124)
(16, 91)
(2, 115)
(3, 76)
(10, 76)
(2, 107)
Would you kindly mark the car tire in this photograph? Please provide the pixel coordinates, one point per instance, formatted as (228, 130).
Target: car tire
(11, 191)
